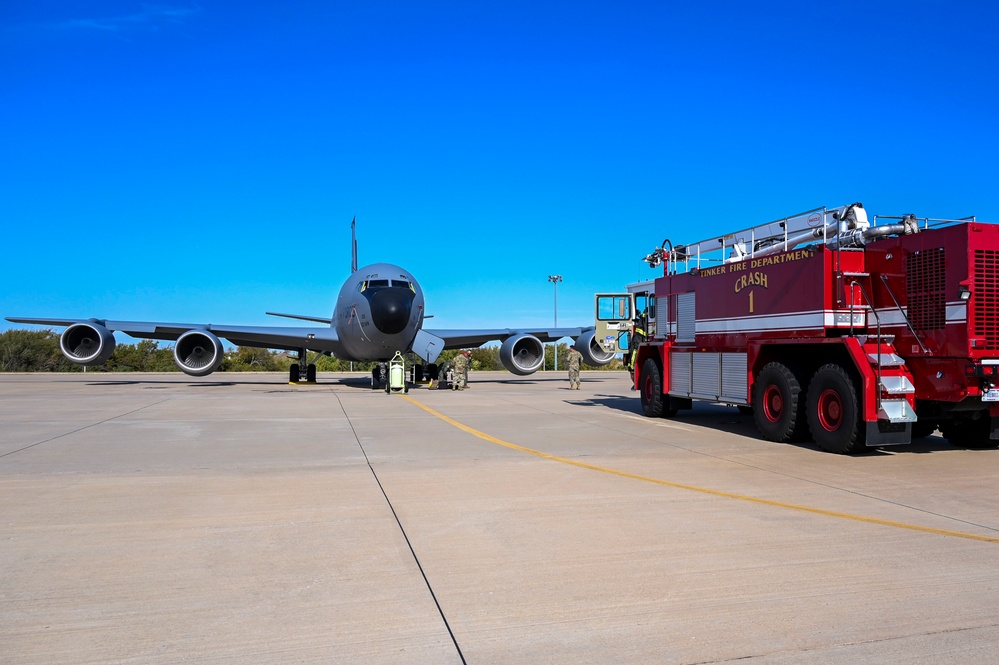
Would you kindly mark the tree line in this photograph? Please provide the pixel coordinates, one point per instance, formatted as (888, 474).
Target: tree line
(38, 351)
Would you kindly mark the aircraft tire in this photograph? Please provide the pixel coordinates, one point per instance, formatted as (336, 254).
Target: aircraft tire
(310, 373)
(294, 374)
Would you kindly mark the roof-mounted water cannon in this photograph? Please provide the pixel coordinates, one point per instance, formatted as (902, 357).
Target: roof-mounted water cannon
(865, 233)
(671, 255)
(655, 259)
(853, 217)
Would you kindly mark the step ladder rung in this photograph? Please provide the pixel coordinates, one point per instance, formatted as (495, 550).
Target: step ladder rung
(897, 385)
(886, 359)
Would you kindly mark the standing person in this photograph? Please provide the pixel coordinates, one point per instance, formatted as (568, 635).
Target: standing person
(574, 362)
(460, 369)
(468, 366)
(638, 336)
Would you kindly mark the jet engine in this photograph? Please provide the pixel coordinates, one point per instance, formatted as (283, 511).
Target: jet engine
(593, 354)
(198, 353)
(87, 344)
(522, 354)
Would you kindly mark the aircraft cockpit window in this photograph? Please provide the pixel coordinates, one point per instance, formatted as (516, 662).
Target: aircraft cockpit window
(376, 283)
(404, 284)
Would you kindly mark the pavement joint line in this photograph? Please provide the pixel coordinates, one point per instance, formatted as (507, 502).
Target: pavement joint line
(703, 490)
(405, 536)
(85, 427)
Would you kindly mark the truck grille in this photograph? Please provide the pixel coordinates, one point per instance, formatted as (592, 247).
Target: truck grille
(985, 300)
(925, 288)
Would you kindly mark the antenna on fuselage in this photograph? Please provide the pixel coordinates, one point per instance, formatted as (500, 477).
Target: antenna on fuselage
(353, 245)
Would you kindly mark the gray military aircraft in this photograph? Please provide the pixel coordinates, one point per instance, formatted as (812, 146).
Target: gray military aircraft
(380, 310)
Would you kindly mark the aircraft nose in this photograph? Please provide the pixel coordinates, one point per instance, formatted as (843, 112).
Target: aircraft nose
(390, 309)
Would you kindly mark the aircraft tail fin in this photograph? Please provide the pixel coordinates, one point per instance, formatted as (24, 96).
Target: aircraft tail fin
(353, 245)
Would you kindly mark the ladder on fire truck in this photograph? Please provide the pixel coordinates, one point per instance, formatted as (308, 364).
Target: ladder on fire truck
(842, 227)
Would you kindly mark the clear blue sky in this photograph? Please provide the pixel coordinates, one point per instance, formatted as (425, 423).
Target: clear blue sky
(201, 161)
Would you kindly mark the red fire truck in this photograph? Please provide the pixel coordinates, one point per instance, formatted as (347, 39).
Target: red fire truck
(831, 328)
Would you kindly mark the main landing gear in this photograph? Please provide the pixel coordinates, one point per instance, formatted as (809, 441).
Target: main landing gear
(303, 368)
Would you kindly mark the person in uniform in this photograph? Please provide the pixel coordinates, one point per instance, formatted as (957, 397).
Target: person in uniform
(574, 362)
(460, 371)
(468, 366)
(638, 336)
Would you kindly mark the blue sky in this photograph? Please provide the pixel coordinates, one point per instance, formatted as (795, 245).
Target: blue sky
(201, 162)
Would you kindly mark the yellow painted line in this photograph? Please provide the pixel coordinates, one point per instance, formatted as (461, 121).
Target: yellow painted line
(703, 490)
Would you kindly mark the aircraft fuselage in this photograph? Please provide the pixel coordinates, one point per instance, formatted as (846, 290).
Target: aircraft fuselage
(379, 310)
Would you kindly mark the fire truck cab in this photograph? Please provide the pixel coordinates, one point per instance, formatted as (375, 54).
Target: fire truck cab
(831, 328)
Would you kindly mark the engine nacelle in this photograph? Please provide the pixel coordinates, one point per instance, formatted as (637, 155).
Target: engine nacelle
(198, 353)
(87, 344)
(522, 354)
(593, 354)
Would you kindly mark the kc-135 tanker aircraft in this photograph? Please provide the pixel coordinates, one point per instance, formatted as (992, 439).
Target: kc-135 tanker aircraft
(380, 310)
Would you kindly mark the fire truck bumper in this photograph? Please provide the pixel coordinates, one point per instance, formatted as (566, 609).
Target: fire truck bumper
(884, 433)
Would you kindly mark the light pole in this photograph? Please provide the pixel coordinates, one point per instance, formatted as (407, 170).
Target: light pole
(555, 279)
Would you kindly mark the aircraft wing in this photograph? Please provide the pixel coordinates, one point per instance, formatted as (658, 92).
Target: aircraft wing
(460, 339)
(313, 338)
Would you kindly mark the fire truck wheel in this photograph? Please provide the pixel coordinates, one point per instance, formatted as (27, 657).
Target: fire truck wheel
(969, 433)
(654, 402)
(834, 411)
(777, 404)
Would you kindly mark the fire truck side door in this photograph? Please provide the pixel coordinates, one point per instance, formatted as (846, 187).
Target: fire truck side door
(614, 312)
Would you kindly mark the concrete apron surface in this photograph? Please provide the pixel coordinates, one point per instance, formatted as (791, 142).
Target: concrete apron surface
(158, 518)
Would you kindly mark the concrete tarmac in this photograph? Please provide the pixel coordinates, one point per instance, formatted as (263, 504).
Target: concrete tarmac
(158, 518)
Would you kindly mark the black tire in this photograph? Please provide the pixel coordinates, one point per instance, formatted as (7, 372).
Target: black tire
(778, 407)
(650, 382)
(834, 417)
(294, 374)
(969, 433)
(310, 373)
(650, 386)
(376, 381)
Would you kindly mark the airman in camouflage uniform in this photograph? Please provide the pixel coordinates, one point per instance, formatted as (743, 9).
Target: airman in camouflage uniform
(574, 362)
(460, 372)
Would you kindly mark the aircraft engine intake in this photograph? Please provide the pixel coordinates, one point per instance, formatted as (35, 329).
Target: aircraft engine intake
(593, 354)
(198, 353)
(87, 344)
(522, 354)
